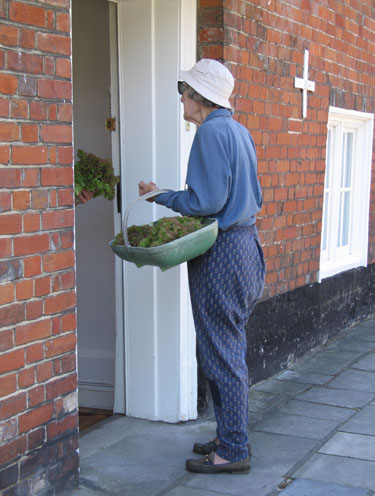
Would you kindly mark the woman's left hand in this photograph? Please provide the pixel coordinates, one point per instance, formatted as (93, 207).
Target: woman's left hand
(84, 197)
(147, 188)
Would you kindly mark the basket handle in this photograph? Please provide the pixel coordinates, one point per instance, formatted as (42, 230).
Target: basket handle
(132, 205)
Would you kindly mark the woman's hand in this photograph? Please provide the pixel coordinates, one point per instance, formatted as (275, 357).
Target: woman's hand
(84, 197)
(147, 188)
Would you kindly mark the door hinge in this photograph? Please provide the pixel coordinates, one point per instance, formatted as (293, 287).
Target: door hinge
(110, 124)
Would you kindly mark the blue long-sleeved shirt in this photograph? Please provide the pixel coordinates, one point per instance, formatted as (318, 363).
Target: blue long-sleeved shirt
(222, 174)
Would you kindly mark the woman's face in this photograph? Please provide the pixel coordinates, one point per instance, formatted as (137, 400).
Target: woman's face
(192, 109)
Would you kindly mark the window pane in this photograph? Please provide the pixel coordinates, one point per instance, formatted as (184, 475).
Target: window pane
(339, 227)
(328, 161)
(348, 159)
(342, 167)
(346, 219)
(325, 216)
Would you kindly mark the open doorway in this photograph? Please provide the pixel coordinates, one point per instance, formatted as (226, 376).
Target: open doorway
(134, 325)
(95, 102)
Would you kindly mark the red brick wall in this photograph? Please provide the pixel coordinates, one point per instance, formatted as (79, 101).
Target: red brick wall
(38, 384)
(263, 43)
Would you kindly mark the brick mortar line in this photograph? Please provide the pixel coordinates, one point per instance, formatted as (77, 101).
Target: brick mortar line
(38, 53)
(33, 386)
(36, 28)
(38, 341)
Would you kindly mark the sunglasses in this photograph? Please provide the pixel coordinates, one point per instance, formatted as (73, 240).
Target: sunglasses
(181, 86)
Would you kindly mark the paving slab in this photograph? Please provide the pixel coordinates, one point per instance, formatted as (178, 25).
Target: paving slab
(366, 363)
(84, 491)
(304, 377)
(142, 474)
(326, 362)
(317, 410)
(350, 445)
(362, 422)
(295, 425)
(277, 454)
(189, 491)
(368, 324)
(303, 487)
(364, 333)
(261, 402)
(144, 460)
(356, 380)
(339, 470)
(236, 485)
(337, 397)
(281, 387)
(108, 432)
(349, 344)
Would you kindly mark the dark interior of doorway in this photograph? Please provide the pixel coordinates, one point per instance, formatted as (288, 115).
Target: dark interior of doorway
(91, 416)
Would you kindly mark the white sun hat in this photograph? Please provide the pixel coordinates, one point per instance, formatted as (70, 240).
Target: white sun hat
(211, 79)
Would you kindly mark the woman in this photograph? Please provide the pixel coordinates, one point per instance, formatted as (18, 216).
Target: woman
(225, 282)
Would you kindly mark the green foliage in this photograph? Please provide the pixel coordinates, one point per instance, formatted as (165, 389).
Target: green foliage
(94, 174)
(119, 239)
(163, 231)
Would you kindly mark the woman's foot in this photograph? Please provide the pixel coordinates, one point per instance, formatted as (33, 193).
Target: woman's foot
(207, 448)
(209, 464)
(218, 460)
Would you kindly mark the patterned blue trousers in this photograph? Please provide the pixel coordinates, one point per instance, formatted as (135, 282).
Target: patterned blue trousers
(225, 284)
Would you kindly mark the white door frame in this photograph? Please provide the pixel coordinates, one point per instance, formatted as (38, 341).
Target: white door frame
(157, 38)
(119, 394)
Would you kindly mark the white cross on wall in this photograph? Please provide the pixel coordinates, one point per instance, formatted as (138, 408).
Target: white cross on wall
(304, 84)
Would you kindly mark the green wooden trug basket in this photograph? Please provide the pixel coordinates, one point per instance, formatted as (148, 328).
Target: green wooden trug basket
(170, 254)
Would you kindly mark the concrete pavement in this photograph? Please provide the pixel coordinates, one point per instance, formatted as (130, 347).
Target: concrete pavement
(312, 430)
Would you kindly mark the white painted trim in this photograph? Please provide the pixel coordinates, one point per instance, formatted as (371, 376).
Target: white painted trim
(336, 113)
(160, 362)
(119, 396)
(333, 260)
(95, 395)
(188, 362)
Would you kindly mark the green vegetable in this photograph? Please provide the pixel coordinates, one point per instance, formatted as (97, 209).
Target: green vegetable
(163, 231)
(94, 174)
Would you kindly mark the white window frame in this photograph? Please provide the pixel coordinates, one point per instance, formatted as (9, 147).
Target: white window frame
(333, 258)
